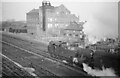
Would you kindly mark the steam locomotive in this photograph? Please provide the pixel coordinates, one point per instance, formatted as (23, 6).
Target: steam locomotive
(70, 53)
(73, 54)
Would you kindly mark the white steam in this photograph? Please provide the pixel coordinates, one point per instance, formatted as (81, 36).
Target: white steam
(102, 21)
(96, 72)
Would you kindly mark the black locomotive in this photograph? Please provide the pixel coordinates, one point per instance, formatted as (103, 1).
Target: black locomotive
(76, 55)
(70, 53)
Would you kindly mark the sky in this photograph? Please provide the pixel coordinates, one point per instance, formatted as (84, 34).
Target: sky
(101, 15)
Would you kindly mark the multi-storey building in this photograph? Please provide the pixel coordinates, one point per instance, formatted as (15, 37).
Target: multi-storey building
(74, 32)
(49, 19)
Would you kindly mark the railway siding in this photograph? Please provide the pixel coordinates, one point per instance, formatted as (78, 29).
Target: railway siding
(38, 63)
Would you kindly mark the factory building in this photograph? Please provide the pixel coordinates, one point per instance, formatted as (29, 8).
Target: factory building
(74, 32)
(53, 20)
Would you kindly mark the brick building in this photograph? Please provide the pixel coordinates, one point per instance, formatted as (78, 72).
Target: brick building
(74, 32)
(55, 19)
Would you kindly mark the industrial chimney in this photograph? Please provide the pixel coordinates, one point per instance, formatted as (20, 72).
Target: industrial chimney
(45, 4)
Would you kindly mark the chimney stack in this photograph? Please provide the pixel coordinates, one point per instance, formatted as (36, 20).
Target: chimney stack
(45, 4)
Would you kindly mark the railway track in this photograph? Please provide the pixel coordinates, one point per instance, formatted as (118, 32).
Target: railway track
(49, 72)
(47, 58)
(44, 71)
(45, 54)
(8, 65)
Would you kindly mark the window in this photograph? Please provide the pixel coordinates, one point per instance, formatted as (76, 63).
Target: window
(70, 34)
(81, 32)
(66, 13)
(49, 25)
(50, 19)
(56, 25)
(66, 25)
(80, 36)
(76, 35)
(67, 35)
(55, 19)
(31, 33)
(57, 13)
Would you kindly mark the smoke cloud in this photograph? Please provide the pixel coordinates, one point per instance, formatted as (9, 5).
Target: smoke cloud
(103, 21)
(101, 73)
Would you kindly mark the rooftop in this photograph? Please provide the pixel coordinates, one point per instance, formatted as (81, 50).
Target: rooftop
(74, 26)
(34, 11)
(61, 7)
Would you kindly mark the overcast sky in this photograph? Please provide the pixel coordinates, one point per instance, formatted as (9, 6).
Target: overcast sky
(101, 15)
